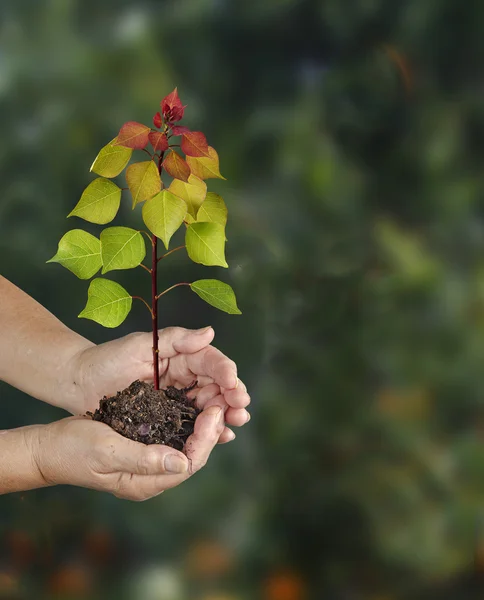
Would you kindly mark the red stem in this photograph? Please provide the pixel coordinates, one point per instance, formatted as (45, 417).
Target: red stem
(154, 299)
(144, 302)
(154, 312)
(170, 252)
(171, 288)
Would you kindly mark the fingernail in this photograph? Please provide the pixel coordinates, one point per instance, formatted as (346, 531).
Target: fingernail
(231, 437)
(175, 464)
(248, 417)
(204, 330)
(237, 384)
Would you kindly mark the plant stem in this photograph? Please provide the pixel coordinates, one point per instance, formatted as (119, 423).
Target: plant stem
(170, 288)
(144, 302)
(174, 250)
(145, 268)
(154, 297)
(148, 235)
(154, 312)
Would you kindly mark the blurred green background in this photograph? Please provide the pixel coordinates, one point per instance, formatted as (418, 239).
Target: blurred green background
(352, 138)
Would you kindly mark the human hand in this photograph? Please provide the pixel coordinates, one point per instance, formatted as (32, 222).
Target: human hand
(81, 452)
(185, 356)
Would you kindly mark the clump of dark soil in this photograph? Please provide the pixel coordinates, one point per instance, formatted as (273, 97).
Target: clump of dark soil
(150, 416)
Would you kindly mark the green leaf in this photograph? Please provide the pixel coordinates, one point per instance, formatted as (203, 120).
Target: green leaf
(111, 160)
(80, 252)
(193, 192)
(218, 294)
(213, 210)
(206, 244)
(99, 202)
(108, 303)
(205, 168)
(143, 181)
(164, 214)
(121, 248)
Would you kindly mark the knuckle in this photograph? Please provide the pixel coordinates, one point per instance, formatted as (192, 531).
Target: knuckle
(242, 387)
(104, 449)
(243, 399)
(148, 462)
(172, 332)
(212, 353)
(219, 430)
(136, 336)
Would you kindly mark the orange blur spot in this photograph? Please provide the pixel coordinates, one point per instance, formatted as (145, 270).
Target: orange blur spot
(99, 546)
(209, 559)
(8, 583)
(20, 548)
(72, 580)
(284, 586)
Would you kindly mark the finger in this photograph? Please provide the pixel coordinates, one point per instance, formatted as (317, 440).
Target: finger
(217, 400)
(234, 419)
(124, 455)
(204, 392)
(175, 340)
(237, 417)
(226, 436)
(213, 363)
(201, 395)
(143, 487)
(203, 381)
(208, 429)
(238, 397)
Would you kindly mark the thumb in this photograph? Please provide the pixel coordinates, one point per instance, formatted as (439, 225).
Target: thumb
(175, 340)
(136, 458)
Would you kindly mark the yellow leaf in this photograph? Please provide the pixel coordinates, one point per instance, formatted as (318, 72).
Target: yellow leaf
(143, 181)
(205, 168)
(193, 192)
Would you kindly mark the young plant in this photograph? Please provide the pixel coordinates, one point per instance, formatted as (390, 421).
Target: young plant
(185, 202)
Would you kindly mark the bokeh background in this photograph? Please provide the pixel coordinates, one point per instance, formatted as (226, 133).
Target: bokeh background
(352, 138)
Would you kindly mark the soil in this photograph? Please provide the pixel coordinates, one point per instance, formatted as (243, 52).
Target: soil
(150, 416)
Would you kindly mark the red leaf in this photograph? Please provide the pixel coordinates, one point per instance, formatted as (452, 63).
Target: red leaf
(172, 108)
(157, 120)
(195, 143)
(159, 141)
(179, 130)
(133, 135)
(176, 166)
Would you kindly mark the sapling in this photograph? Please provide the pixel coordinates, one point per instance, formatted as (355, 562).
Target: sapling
(172, 191)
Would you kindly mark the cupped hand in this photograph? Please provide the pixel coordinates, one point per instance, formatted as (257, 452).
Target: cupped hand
(81, 452)
(185, 355)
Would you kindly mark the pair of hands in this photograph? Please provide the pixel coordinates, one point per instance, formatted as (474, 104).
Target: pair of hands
(87, 453)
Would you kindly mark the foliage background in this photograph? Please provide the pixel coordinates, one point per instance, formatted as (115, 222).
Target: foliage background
(351, 136)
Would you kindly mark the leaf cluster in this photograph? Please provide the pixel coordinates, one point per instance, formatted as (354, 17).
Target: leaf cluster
(184, 203)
